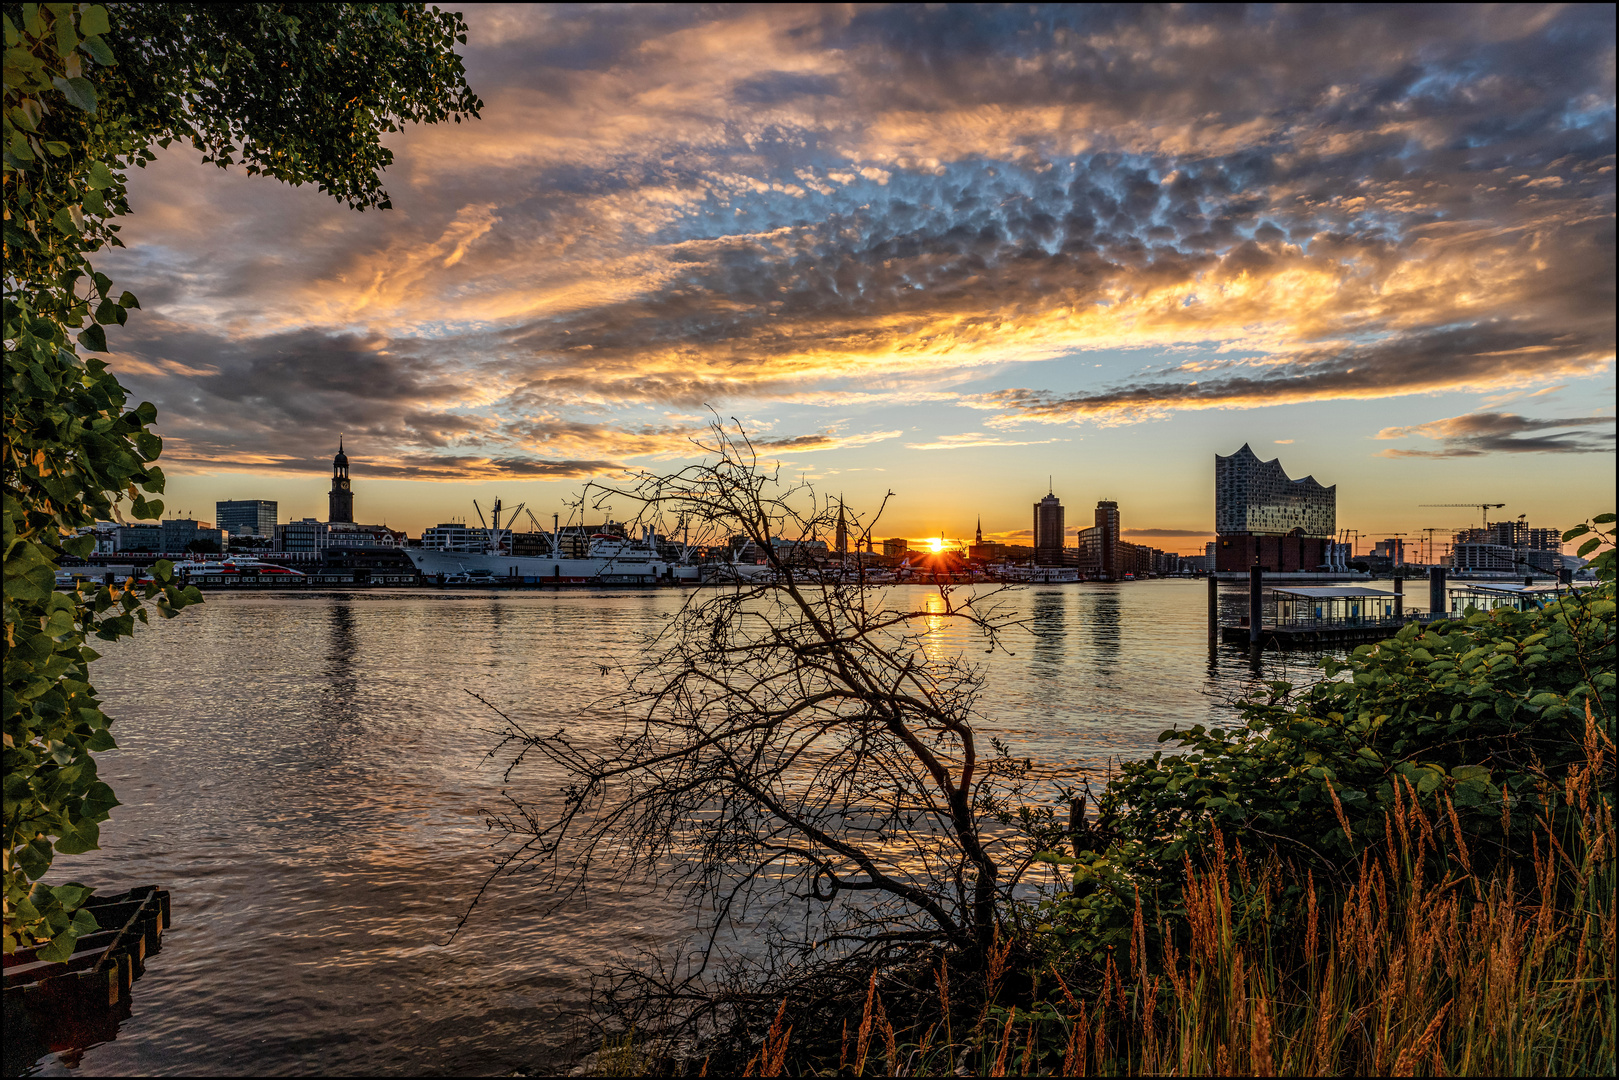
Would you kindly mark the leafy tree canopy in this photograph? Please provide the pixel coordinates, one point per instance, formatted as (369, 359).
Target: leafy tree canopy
(301, 92)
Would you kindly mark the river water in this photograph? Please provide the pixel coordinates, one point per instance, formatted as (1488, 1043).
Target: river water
(307, 775)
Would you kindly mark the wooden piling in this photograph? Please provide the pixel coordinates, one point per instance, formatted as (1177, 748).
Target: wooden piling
(1214, 606)
(1256, 601)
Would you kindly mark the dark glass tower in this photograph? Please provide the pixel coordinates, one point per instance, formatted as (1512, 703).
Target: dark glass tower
(340, 505)
(1048, 531)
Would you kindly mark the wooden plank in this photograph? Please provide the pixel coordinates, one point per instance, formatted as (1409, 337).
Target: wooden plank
(96, 942)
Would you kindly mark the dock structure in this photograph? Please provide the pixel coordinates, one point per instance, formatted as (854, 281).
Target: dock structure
(1317, 616)
(104, 964)
(65, 1006)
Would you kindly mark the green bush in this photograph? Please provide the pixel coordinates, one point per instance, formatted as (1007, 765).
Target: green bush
(1476, 719)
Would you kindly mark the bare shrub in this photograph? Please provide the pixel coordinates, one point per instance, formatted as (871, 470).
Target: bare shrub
(792, 751)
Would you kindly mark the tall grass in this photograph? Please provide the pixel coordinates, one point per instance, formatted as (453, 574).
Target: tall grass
(1420, 966)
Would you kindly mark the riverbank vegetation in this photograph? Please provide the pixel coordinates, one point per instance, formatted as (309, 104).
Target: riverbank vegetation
(303, 93)
(1404, 867)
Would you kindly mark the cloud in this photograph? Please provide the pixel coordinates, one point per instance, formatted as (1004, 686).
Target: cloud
(1504, 433)
(796, 444)
(669, 208)
(1166, 532)
(974, 439)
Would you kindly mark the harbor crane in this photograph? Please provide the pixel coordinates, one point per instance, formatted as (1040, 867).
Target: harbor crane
(1482, 508)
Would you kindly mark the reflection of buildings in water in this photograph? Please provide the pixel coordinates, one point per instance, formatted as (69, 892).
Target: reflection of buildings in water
(1104, 621)
(1048, 623)
(342, 680)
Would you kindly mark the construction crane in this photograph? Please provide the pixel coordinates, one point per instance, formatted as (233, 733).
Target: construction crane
(1387, 535)
(1427, 534)
(1483, 509)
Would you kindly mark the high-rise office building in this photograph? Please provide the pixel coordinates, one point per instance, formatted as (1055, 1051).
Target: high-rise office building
(1107, 532)
(1265, 518)
(1048, 531)
(251, 517)
(1102, 554)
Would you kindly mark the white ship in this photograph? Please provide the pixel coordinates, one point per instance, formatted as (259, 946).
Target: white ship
(609, 560)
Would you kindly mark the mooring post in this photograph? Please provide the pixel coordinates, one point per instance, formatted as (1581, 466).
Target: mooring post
(1399, 597)
(1436, 590)
(1214, 606)
(1256, 601)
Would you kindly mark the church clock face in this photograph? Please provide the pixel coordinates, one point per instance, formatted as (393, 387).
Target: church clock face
(344, 484)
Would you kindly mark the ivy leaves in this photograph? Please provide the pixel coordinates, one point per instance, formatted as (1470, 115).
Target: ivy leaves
(72, 454)
(301, 92)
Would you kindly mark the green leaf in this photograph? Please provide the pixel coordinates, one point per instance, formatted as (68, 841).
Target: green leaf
(1590, 546)
(60, 948)
(79, 93)
(72, 895)
(1603, 519)
(101, 177)
(97, 50)
(93, 20)
(93, 338)
(67, 38)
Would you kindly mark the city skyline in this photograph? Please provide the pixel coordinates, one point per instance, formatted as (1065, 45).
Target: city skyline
(1421, 543)
(945, 253)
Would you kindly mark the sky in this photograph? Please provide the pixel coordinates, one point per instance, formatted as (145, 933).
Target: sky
(959, 254)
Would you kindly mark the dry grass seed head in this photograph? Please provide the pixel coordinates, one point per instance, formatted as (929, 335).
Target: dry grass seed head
(867, 1017)
(1261, 1052)
(1073, 1061)
(1138, 943)
(1338, 808)
(999, 1068)
(1406, 1064)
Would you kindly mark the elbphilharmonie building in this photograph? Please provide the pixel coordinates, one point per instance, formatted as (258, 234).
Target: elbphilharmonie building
(1264, 517)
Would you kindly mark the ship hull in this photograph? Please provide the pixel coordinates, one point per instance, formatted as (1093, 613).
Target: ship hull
(545, 570)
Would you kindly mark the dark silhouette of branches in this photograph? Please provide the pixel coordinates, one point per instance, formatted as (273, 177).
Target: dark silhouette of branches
(792, 747)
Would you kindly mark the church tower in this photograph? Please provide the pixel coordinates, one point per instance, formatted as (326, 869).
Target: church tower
(340, 506)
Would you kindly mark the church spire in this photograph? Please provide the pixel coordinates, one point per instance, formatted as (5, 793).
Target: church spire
(340, 500)
(980, 535)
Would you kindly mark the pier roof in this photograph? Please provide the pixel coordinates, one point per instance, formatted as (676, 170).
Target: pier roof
(1328, 592)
